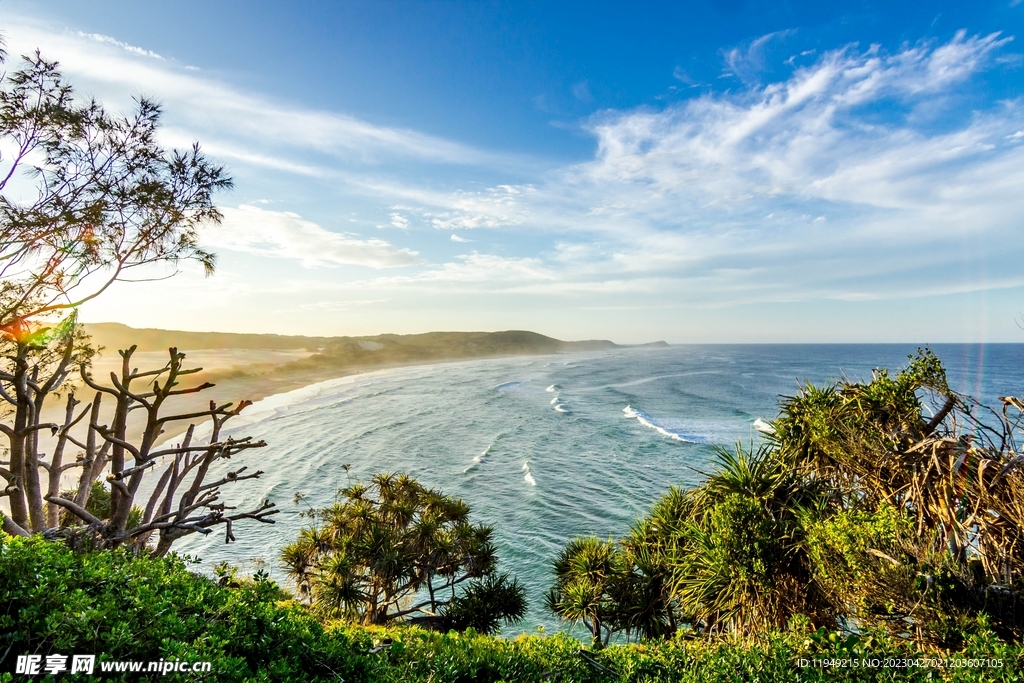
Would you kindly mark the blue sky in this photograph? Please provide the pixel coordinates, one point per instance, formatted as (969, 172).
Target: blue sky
(727, 171)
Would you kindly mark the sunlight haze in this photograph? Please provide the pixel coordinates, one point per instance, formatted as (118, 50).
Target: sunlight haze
(675, 172)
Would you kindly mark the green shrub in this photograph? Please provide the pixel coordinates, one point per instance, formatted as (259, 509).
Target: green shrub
(120, 607)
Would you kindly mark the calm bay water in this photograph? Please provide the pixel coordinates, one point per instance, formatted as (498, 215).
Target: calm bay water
(544, 448)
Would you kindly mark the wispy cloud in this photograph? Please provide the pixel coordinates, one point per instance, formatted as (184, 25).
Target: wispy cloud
(749, 62)
(826, 182)
(496, 207)
(852, 174)
(224, 113)
(286, 235)
(479, 268)
(100, 38)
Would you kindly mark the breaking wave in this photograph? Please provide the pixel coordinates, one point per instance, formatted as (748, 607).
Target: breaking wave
(675, 434)
(529, 474)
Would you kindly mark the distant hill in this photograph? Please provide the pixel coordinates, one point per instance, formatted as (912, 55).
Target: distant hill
(118, 336)
(406, 348)
(335, 352)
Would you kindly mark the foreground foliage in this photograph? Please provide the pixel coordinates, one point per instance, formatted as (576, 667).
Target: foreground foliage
(393, 549)
(122, 607)
(893, 504)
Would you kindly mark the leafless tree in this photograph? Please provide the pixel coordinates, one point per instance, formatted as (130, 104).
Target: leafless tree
(85, 198)
(184, 500)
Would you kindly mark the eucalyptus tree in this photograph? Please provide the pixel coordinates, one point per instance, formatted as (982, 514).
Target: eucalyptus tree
(87, 197)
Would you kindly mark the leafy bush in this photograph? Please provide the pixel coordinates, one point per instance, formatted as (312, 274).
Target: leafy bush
(121, 607)
(859, 511)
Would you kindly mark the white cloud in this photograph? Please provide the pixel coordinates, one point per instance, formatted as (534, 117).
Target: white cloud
(781, 192)
(100, 38)
(747, 63)
(286, 235)
(859, 175)
(496, 207)
(804, 137)
(226, 116)
(480, 268)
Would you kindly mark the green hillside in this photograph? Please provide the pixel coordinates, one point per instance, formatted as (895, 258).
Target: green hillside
(345, 351)
(118, 336)
(398, 348)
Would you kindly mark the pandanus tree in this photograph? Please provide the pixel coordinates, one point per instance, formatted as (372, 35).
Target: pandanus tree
(892, 503)
(925, 527)
(86, 198)
(589, 575)
(738, 560)
(392, 550)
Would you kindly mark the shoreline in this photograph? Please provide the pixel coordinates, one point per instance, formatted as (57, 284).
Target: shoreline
(261, 389)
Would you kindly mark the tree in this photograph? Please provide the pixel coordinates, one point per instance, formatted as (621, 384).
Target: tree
(590, 576)
(925, 527)
(183, 501)
(85, 198)
(393, 549)
(893, 503)
(740, 561)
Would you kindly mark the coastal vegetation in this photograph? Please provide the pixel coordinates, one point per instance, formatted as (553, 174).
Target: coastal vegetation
(891, 505)
(779, 566)
(382, 543)
(126, 608)
(105, 201)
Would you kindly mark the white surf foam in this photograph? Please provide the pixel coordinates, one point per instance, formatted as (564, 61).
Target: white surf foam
(763, 427)
(486, 453)
(529, 475)
(648, 421)
(560, 408)
(553, 388)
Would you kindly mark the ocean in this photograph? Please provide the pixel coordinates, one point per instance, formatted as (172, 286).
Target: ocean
(543, 448)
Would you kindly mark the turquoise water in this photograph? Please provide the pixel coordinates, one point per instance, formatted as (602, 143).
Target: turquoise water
(543, 448)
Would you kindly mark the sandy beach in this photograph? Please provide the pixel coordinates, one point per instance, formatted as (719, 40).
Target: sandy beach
(237, 374)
